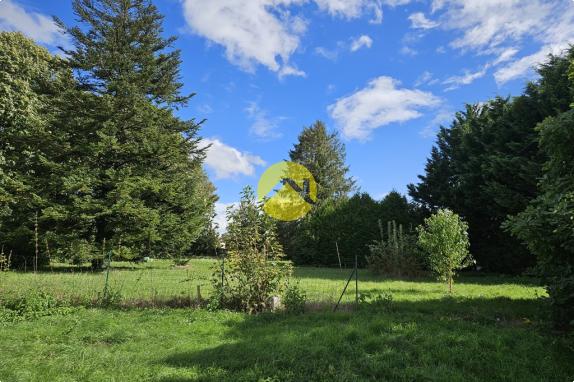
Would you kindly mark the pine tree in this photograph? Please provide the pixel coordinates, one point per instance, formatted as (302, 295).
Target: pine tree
(323, 154)
(135, 168)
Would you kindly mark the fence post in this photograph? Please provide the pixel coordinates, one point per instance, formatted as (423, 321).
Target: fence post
(106, 287)
(222, 270)
(356, 281)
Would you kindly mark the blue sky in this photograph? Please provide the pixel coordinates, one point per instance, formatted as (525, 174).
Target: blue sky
(384, 73)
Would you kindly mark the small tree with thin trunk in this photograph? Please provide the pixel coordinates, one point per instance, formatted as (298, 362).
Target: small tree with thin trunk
(444, 238)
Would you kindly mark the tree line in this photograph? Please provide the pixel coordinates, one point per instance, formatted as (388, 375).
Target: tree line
(506, 166)
(92, 156)
(93, 159)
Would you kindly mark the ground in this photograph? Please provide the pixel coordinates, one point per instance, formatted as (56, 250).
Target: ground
(492, 329)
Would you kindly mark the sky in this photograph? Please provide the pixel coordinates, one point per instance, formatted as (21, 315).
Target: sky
(385, 74)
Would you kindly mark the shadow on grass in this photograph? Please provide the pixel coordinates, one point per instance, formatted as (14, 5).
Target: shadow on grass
(448, 339)
(470, 277)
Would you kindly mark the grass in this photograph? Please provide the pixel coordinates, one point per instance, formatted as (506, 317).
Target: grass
(160, 280)
(491, 329)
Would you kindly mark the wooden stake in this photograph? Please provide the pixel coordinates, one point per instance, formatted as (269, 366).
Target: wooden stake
(36, 242)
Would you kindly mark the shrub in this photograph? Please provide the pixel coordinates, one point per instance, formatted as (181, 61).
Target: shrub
(445, 239)
(254, 269)
(398, 255)
(294, 299)
(32, 305)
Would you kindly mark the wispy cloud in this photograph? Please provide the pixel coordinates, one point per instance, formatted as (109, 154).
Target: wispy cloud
(426, 78)
(363, 41)
(263, 126)
(454, 82)
(499, 28)
(419, 21)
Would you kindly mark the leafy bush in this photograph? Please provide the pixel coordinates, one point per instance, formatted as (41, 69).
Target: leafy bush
(254, 268)
(445, 239)
(546, 226)
(398, 255)
(384, 300)
(32, 305)
(294, 299)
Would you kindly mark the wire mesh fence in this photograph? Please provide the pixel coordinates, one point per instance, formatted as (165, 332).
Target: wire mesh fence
(162, 281)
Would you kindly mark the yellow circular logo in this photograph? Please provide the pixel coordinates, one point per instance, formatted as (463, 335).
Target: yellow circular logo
(295, 196)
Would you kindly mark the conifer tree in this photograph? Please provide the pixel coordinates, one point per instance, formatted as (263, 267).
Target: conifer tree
(323, 154)
(135, 170)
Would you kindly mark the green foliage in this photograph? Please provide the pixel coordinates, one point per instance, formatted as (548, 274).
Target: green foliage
(489, 157)
(294, 299)
(30, 306)
(29, 78)
(547, 225)
(444, 237)
(323, 154)
(92, 144)
(347, 223)
(254, 269)
(5, 260)
(396, 253)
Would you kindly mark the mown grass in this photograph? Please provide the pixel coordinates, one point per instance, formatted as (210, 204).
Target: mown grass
(491, 329)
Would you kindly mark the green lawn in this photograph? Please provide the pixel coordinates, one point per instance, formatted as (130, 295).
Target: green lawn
(492, 329)
(161, 280)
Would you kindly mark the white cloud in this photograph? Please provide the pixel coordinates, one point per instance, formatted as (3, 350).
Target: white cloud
(264, 32)
(396, 3)
(494, 27)
(487, 24)
(329, 54)
(263, 126)
(381, 103)
(227, 161)
(525, 65)
(408, 51)
(419, 21)
(363, 41)
(37, 26)
(249, 31)
(352, 8)
(426, 78)
(467, 78)
(220, 218)
(442, 118)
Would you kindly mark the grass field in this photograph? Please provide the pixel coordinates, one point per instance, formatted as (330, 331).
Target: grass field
(491, 329)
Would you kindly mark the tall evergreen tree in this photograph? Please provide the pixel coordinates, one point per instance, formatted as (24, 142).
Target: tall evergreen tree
(135, 168)
(323, 154)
